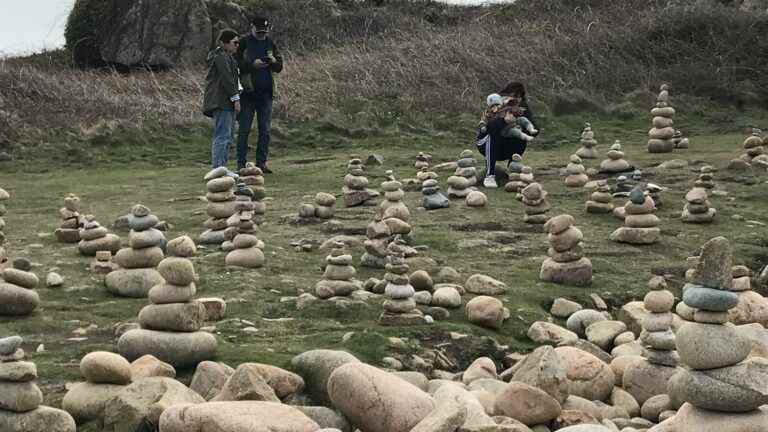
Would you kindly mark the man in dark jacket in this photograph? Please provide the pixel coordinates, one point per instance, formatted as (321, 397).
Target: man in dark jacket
(259, 60)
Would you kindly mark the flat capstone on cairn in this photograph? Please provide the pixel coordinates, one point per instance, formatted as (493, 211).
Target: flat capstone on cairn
(338, 276)
(106, 374)
(566, 264)
(17, 295)
(600, 201)
(170, 326)
(433, 199)
(575, 172)
(615, 162)
(95, 238)
(535, 205)
(641, 226)
(661, 134)
(400, 306)
(253, 179)
(706, 178)
(520, 175)
(754, 152)
(355, 191)
(680, 141)
(21, 401)
(71, 220)
(588, 148)
(723, 389)
(221, 205)
(697, 207)
(138, 262)
(461, 183)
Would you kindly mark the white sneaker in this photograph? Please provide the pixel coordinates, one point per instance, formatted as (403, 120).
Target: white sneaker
(490, 182)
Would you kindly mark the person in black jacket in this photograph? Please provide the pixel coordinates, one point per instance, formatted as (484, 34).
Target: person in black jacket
(259, 59)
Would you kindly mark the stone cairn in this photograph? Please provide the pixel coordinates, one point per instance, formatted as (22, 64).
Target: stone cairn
(338, 275)
(21, 401)
(461, 182)
(422, 161)
(221, 205)
(697, 209)
(520, 175)
(637, 175)
(752, 307)
(433, 199)
(17, 295)
(95, 238)
(719, 376)
(103, 264)
(576, 173)
(379, 236)
(170, 325)
(641, 226)
(706, 178)
(253, 178)
(242, 221)
(69, 230)
(566, 264)
(4, 196)
(425, 174)
(600, 201)
(588, 143)
(660, 136)
(615, 162)
(137, 273)
(246, 247)
(355, 190)
(106, 374)
(754, 146)
(623, 187)
(399, 307)
(324, 203)
(394, 213)
(535, 204)
(680, 141)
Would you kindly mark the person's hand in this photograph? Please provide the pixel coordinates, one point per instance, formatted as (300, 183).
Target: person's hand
(272, 58)
(509, 117)
(237, 107)
(258, 64)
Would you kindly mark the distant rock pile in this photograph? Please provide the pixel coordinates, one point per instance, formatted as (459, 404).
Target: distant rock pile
(588, 143)
(535, 204)
(615, 163)
(566, 263)
(71, 220)
(600, 201)
(663, 131)
(641, 226)
(697, 207)
(355, 190)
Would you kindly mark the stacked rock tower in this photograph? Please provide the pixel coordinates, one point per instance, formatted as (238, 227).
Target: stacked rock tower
(520, 175)
(21, 403)
(221, 205)
(338, 275)
(17, 295)
(433, 199)
(170, 325)
(566, 264)
(253, 178)
(95, 238)
(601, 200)
(641, 226)
(615, 162)
(461, 182)
(706, 178)
(379, 236)
(535, 204)
(393, 210)
(355, 190)
(71, 220)
(661, 134)
(138, 262)
(588, 143)
(245, 249)
(576, 173)
(400, 306)
(720, 377)
(324, 203)
(697, 209)
(422, 161)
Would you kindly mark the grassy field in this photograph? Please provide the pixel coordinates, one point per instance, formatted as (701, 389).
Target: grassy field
(167, 177)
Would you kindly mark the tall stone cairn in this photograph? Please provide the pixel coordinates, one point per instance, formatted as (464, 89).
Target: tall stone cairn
(355, 190)
(221, 205)
(253, 178)
(464, 178)
(601, 200)
(706, 178)
(71, 220)
(244, 249)
(378, 238)
(392, 209)
(641, 226)
(4, 196)
(520, 175)
(21, 401)
(535, 204)
(170, 324)
(575, 172)
(722, 388)
(697, 207)
(588, 143)
(566, 264)
(338, 275)
(615, 162)
(661, 134)
(95, 238)
(400, 306)
(17, 295)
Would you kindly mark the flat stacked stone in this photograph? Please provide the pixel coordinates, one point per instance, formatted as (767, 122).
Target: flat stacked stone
(588, 143)
(138, 262)
(355, 190)
(393, 211)
(464, 178)
(21, 401)
(253, 178)
(535, 204)
(697, 209)
(623, 187)
(71, 220)
(566, 264)
(752, 307)
(338, 275)
(601, 200)
(520, 175)
(17, 295)
(379, 236)
(4, 196)
(103, 264)
(615, 162)
(400, 306)
(660, 136)
(641, 226)
(720, 377)
(433, 199)
(170, 325)
(706, 178)
(221, 205)
(324, 205)
(95, 238)
(575, 172)
(680, 141)
(106, 374)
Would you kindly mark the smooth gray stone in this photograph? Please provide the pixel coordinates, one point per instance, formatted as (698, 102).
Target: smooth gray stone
(709, 299)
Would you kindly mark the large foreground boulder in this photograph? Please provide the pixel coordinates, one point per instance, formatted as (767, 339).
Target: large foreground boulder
(316, 366)
(244, 416)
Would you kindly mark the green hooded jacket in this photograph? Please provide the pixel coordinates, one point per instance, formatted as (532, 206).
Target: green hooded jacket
(221, 83)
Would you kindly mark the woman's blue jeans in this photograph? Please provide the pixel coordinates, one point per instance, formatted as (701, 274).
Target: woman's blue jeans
(223, 127)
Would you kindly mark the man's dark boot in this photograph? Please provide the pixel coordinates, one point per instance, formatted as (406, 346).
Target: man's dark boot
(264, 168)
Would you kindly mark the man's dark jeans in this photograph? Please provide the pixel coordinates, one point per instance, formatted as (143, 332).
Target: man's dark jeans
(261, 108)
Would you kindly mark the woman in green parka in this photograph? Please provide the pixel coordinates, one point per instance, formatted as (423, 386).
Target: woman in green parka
(222, 94)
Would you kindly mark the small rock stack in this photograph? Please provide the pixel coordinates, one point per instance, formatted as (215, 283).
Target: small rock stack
(519, 177)
(221, 205)
(623, 187)
(641, 226)
(379, 236)
(600, 201)
(422, 161)
(137, 274)
(425, 174)
(706, 179)
(242, 222)
(106, 374)
(461, 182)
(170, 325)
(21, 401)
(400, 307)
(566, 264)
(576, 173)
(697, 209)
(433, 198)
(752, 307)
(246, 253)
(754, 147)
(95, 238)
(338, 275)
(588, 143)
(660, 136)
(253, 178)
(103, 264)
(535, 204)
(615, 162)
(324, 203)
(393, 210)
(720, 377)
(69, 230)
(4, 196)
(679, 140)
(17, 297)
(355, 189)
